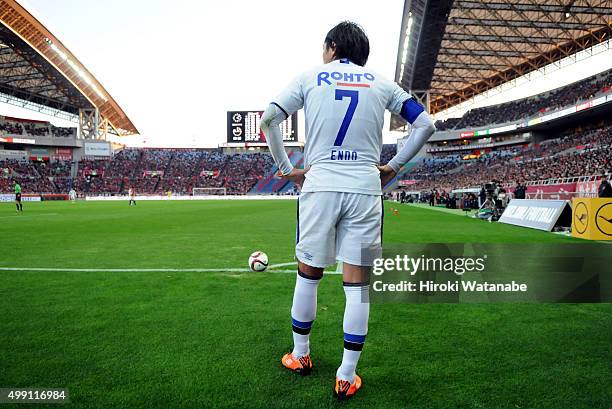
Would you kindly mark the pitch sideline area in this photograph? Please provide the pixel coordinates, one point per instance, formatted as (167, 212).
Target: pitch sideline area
(187, 339)
(271, 269)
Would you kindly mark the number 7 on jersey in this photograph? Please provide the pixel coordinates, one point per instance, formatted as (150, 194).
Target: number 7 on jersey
(354, 96)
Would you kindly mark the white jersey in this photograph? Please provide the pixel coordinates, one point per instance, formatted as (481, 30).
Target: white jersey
(344, 105)
(72, 194)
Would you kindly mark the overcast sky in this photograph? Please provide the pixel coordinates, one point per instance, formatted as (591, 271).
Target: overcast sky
(176, 67)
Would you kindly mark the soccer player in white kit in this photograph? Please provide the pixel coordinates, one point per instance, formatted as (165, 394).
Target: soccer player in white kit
(72, 195)
(340, 208)
(132, 194)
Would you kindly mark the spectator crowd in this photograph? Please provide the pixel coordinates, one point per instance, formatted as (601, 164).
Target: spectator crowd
(585, 153)
(527, 107)
(148, 171)
(157, 171)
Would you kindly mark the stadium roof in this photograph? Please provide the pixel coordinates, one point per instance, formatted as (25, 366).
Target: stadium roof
(36, 67)
(459, 49)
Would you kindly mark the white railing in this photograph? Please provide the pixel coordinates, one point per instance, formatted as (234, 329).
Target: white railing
(570, 179)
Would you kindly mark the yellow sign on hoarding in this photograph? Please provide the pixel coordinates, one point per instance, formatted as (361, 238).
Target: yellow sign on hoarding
(592, 218)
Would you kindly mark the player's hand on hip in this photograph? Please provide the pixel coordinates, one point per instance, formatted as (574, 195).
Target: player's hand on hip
(386, 174)
(297, 176)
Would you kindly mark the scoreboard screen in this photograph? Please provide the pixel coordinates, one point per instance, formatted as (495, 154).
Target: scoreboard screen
(245, 127)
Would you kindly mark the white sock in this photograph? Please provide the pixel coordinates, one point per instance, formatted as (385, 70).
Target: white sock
(303, 313)
(355, 326)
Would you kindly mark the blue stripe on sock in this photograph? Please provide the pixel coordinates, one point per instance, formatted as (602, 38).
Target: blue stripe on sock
(300, 324)
(358, 339)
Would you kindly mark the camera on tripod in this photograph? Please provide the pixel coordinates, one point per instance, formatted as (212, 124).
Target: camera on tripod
(495, 202)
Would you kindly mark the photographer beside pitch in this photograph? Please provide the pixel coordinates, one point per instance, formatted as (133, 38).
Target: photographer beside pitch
(604, 189)
(340, 208)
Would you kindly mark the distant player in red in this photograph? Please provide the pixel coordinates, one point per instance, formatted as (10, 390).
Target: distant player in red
(132, 193)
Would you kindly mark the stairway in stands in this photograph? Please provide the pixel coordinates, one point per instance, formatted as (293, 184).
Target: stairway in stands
(271, 183)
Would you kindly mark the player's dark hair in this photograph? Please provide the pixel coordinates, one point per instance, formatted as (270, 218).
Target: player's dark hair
(350, 41)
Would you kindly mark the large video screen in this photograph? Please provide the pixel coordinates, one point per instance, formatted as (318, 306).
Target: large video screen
(244, 127)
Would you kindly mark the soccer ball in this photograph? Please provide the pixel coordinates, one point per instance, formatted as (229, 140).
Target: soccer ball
(258, 261)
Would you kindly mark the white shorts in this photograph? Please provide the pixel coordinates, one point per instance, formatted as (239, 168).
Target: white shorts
(338, 226)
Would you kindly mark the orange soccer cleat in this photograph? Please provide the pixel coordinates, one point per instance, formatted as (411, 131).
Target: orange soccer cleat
(345, 389)
(303, 365)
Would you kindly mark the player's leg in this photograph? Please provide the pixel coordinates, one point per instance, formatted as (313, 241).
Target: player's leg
(303, 314)
(304, 307)
(314, 250)
(355, 327)
(358, 243)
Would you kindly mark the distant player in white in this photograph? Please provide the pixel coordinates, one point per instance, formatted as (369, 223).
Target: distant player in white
(132, 194)
(340, 208)
(72, 195)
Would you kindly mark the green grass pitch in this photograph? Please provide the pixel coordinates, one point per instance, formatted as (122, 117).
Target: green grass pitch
(214, 339)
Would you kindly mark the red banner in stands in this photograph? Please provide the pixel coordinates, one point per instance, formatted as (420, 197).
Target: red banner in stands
(587, 189)
(63, 153)
(560, 191)
(583, 106)
(407, 182)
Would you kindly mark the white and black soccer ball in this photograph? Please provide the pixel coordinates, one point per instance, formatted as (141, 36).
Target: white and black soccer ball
(258, 261)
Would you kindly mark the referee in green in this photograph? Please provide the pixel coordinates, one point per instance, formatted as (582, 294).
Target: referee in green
(18, 197)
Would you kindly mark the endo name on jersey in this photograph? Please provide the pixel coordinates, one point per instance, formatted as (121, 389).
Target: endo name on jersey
(344, 105)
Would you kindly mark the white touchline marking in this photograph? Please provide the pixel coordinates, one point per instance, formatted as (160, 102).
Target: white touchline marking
(147, 270)
(292, 263)
(27, 216)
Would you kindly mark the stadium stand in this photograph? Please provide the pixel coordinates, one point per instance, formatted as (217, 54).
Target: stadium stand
(157, 171)
(388, 151)
(574, 154)
(531, 106)
(272, 184)
(148, 171)
(27, 173)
